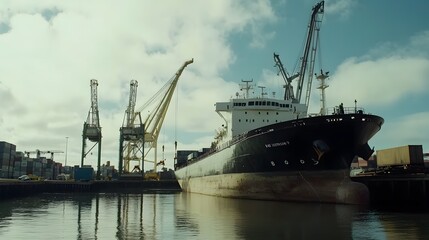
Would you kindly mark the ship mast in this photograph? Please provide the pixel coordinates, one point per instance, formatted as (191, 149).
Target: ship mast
(246, 86)
(322, 77)
(311, 45)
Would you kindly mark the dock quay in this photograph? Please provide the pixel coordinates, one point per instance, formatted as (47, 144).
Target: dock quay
(397, 192)
(14, 188)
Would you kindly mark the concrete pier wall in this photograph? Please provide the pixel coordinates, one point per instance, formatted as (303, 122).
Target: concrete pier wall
(403, 192)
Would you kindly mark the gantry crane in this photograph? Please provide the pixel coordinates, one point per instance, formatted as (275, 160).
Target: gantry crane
(151, 127)
(39, 153)
(91, 128)
(131, 139)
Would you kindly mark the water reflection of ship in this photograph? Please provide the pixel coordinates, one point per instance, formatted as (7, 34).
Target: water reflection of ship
(227, 218)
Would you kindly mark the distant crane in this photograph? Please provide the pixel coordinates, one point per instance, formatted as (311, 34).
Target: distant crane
(151, 127)
(39, 153)
(91, 128)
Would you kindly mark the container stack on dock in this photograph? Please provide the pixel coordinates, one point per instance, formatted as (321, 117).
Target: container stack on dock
(14, 164)
(7, 156)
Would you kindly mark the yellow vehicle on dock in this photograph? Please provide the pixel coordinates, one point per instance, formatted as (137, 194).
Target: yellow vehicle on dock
(151, 176)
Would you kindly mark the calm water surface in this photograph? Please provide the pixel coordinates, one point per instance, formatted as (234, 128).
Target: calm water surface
(194, 216)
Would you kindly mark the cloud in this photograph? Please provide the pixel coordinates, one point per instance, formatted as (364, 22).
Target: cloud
(407, 130)
(341, 7)
(52, 49)
(381, 81)
(385, 75)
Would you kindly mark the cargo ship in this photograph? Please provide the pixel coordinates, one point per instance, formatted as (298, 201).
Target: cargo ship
(272, 149)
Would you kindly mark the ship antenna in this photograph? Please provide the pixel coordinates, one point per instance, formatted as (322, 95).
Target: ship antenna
(262, 91)
(246, 87)
(322, 77)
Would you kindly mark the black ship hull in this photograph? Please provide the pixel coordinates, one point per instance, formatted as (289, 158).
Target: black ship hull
(301, 160)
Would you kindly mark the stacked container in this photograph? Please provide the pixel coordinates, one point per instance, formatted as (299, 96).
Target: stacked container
(7, 155)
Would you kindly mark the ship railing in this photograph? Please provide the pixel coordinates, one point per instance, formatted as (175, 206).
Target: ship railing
(220, 147)
(345, 110)
(231, 142)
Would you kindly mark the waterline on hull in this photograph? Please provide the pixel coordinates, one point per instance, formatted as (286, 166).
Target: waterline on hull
(303, 186)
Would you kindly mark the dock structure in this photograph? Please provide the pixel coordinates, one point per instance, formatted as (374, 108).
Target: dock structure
(397, 192)
(10, 189)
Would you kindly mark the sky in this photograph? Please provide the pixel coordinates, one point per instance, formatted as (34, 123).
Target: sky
(377, 53)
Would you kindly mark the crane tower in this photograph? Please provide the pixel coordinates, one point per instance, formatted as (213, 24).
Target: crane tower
(131, 139)
(91, 128)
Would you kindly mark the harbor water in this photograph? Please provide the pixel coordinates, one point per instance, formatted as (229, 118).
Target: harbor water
(193, 216)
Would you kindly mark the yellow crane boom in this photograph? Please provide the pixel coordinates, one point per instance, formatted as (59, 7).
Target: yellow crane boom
(154, 121)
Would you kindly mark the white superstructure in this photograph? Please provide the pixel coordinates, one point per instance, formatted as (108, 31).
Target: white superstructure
(244, 114)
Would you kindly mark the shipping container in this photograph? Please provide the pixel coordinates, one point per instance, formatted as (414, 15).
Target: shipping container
(5, 147)
(400, 156)
(182, 156)
(192, 155)
(17, 166)
(83, 174)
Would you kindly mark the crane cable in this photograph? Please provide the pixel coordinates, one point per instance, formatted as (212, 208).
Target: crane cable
(176, 110)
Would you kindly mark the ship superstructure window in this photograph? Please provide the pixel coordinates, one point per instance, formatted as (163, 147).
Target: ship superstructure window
(251, 103)
(239, 104)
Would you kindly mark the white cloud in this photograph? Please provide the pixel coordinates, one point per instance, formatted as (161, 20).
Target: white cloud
(342, 7)
(51, 50)
(407, 130)
(381, 81)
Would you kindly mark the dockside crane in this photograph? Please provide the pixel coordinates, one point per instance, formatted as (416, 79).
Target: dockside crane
(153, 122)
(91, 128)
(155, 119)
(131, 139)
